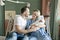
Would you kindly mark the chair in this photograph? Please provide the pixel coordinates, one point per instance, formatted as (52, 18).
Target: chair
(10, 25)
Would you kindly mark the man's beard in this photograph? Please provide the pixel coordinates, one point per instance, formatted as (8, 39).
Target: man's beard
(26, 15)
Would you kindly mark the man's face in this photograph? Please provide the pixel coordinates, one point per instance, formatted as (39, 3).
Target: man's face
(27, 12)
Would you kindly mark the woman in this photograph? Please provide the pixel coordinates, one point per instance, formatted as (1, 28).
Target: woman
(40, 34)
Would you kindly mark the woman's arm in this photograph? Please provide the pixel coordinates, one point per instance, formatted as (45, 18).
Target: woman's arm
(42, 26)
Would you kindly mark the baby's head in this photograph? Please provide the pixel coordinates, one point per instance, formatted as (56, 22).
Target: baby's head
(41, 22)
(41, 19)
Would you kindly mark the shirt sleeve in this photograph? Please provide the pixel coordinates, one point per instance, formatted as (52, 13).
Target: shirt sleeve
(18, 21)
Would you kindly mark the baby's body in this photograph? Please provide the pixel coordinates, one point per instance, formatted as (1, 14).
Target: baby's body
(37, 23)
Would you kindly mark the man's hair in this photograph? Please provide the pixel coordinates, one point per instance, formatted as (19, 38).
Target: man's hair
(36, 10)
(24, 9)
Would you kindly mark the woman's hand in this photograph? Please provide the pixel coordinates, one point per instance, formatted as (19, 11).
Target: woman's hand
(42, 25)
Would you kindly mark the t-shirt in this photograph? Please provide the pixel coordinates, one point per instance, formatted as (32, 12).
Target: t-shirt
(20, 21)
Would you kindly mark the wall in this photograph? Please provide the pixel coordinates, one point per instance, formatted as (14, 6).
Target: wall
(53, 17)
(35, 4)
(1, 21)
(57, 21)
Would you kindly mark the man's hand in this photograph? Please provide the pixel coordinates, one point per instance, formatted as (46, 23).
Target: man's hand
(34, 29)
(32, 26)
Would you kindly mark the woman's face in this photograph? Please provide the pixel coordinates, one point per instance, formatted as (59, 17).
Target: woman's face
(34, 15)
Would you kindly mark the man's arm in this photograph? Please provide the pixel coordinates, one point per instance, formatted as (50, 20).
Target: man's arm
(24, 31)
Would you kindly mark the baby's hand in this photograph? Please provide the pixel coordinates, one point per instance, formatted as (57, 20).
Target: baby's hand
(32, 26)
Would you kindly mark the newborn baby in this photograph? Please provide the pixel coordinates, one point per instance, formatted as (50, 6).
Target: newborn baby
(40, 21)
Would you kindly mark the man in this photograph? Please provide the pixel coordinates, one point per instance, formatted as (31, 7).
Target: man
(20, 24)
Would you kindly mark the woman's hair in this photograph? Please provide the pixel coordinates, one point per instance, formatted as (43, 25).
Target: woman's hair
(36, 10)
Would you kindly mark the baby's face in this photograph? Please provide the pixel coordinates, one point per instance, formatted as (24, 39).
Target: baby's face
(40, 20)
